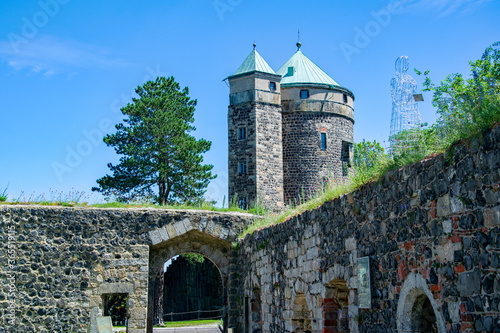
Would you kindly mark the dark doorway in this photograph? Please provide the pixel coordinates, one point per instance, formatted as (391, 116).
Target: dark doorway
(115, 306)
(192, 289)
(425, 318)
(253, 312)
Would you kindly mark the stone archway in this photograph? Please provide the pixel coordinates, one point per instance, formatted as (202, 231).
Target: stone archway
(216, 250)
(417, 309)
(193, 289)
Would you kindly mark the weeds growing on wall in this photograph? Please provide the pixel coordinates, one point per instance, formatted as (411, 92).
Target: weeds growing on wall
(3, 195)
(465, 107)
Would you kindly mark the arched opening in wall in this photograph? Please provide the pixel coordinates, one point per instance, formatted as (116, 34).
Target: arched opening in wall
(417, 309)
(335, 307)
(193, 289)
(253, 312)
(423, 318)
(301, 319)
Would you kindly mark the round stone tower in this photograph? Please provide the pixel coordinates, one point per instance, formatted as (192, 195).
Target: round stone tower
(317, 128)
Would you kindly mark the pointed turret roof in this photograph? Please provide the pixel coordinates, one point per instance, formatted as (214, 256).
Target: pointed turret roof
(304, 71)
(254, 63)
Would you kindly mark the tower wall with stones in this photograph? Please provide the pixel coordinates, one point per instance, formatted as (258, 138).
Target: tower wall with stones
(431, 231)
(256, 109)
(307, 166)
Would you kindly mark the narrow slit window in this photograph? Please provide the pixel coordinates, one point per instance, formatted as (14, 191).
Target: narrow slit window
(304, 94)
(242, 168)
(242, 203)
(345, 99)
(323, 141)
(242, 133)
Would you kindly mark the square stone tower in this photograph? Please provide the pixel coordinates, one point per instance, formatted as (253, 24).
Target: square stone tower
(255, 165)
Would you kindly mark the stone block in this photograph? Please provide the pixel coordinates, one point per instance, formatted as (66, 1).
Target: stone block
(446, 251)
(187, 224)
(116, 288)
(443, 205)
(447, 226)
(155, 236)
(171, 231)
(163, 233)
(180, 228)
(469, 283)
(492, 216)
(350, 244)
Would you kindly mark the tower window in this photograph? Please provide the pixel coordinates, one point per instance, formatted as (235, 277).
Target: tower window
(346, 156)
(304, 94)
(242, 133)
(323, 141)
(272, 86)
(345, 99)
(242, 203)
(242, 169)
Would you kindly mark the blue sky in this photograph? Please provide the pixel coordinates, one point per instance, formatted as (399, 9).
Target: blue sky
(67, 66)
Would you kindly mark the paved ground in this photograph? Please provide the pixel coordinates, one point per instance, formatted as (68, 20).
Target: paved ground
(201, 329)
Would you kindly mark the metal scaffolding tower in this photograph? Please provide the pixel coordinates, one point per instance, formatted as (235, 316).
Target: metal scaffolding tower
(406, 125)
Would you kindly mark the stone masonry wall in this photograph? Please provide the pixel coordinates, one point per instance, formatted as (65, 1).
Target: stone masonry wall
(431, 231)
(243, 185)
(56, 263)
(261, 151)
(305, 164)
(269, 154)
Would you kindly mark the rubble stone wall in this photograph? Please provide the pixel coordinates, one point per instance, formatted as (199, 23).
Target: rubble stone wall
(56, 263)
(430, 230)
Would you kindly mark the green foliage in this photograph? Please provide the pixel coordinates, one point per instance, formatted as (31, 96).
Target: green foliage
(193, 258)
(54, 198)
(159, 161)
(366, 153)
(3, 195)
(368, 156)
(467, 106)
(329, 192)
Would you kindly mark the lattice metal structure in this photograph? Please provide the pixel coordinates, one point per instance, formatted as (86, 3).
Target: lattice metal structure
(405, 120)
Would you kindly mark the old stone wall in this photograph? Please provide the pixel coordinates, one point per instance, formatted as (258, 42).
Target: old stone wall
(56, 263)
(306, 166)
(261, 150)
(430, 230)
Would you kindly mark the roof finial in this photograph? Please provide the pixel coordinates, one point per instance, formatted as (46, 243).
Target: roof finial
(298, 39)
(254, 45)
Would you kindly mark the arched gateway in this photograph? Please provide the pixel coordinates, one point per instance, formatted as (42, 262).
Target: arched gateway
(205, 234)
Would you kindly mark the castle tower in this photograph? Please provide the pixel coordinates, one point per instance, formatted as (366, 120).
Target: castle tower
(317, 127)
(255, 166)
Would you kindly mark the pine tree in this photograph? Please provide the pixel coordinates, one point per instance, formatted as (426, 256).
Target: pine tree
(158, 155)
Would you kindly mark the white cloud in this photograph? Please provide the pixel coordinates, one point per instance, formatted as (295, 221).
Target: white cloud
(48, 55)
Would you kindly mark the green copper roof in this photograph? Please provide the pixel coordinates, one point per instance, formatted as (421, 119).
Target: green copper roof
(254, 62)
(304, 71)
